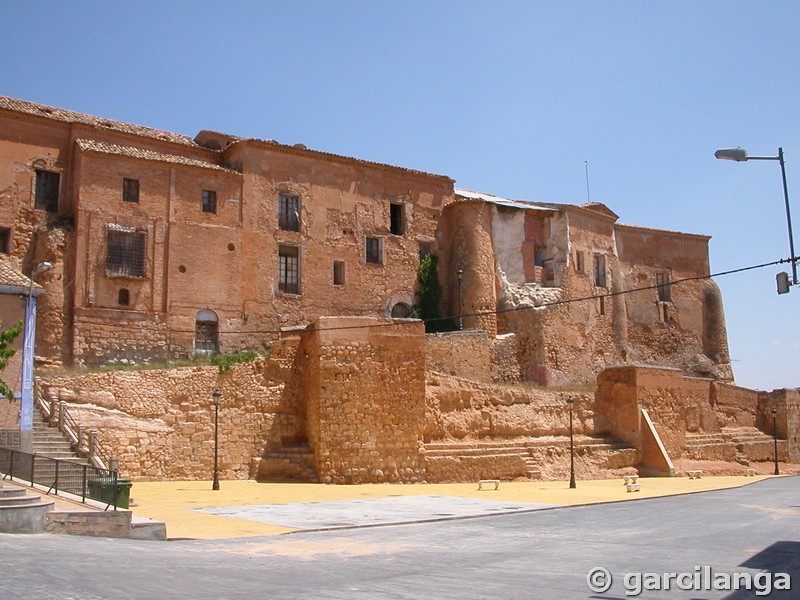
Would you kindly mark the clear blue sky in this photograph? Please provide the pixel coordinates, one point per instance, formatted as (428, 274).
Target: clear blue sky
(508, 98)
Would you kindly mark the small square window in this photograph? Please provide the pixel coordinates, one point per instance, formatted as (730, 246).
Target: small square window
(209, 201)
(289, 212)
(47, 184)
(130, 190)
(539, 255)
(124, 297)
(373, 251)
(338, 272)
(397, 219)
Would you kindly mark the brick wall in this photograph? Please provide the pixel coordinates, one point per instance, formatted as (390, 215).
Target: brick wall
(462, 353)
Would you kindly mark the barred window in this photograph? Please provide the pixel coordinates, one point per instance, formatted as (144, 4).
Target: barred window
(289, 212)
(289, 269)
(126, 252)
(130, 190)
(47, 184)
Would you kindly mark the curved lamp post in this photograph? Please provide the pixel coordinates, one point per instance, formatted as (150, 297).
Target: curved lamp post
(216, 394)
(740, 155)
(775, 436)
(571, 403)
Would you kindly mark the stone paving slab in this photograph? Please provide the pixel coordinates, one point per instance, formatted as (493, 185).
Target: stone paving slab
(373, 511)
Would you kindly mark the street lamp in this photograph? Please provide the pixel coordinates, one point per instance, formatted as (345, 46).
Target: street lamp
(216, 394)
(740, 155)
(775, 436)
(460, 276)
(571, 403)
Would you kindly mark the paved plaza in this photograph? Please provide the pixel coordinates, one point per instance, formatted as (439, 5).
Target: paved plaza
(533, 552)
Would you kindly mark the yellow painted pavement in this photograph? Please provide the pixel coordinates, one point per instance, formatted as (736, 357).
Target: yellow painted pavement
(175, 502)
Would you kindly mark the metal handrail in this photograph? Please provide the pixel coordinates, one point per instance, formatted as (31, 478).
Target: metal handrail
(84, 442)
(80, 480)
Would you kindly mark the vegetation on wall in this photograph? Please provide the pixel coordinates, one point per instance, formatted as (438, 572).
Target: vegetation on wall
(429, 294)
(226, 361)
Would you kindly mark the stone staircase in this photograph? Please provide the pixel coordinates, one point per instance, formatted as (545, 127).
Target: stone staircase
(21, 512)
(49, 441)
(513, 458)
(288, 463)
(733, 444)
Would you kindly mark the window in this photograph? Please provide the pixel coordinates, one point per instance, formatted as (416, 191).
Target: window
(5, 240)
(124, 297)
(289, 212)
(209, 201)
(601, 305)
(288, 269)
(580, 264)
(662, 281)
(424, 250)
(600, 270)
(338, 272)
(396, 219)
(373, 250)
(47, 184)
(539, 255)
(126, 252)
(130, 190)
(206, 332)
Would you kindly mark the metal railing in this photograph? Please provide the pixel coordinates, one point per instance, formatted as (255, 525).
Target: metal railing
(82, 440)
(57, 475)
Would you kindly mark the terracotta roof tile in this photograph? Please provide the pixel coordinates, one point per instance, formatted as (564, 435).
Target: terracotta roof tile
(68, 116)
(11, 276)
(131, 152)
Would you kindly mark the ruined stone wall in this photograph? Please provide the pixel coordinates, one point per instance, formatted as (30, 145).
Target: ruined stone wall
(371, 401)
(505, 359)
(462, 353)
(458, 408)
(787, 421)
(159, 424)
(735, 406)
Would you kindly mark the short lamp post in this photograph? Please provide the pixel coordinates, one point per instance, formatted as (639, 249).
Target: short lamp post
(775, 437)
(460, 276)
(572, 486)
(216, 394)
(740, 155)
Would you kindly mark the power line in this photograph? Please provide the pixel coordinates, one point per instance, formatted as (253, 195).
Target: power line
(400, 323)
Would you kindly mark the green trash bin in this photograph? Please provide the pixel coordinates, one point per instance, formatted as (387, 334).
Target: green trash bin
(102, 490)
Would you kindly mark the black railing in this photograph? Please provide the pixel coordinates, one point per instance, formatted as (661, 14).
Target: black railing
(80, 480)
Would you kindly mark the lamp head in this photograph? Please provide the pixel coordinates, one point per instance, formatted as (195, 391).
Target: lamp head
(570, 401)
(216, 394)
(738, 154)
(774, 412)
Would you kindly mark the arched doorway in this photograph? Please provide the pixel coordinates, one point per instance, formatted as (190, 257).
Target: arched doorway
(401, 310)
(206, 332)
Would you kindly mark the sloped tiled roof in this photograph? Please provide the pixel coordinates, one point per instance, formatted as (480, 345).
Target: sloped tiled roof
(12, 277)
(131, 152)
(68, 116)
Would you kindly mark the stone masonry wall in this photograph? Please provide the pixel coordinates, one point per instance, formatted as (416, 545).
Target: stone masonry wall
(460, 353)
(159, 424)
(370, 391)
